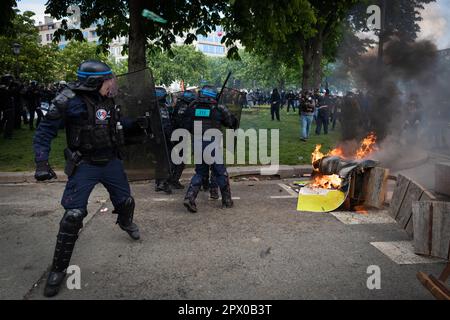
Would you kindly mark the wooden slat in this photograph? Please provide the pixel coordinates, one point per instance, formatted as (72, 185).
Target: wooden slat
(376, 188)
(435, 289)
(422, 218)
(441, 230)
(413, 193)
(398, 195)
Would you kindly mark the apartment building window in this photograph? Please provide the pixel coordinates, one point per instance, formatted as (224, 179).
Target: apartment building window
(207, 48)
(49, 36)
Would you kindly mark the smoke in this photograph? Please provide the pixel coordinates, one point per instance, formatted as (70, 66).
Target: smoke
(405, 101)
(387, 85)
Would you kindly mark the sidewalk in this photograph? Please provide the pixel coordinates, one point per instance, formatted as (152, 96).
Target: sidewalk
(284, 171)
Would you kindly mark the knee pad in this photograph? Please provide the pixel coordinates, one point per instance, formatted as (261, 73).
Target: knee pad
(72, 221)
(126, 207)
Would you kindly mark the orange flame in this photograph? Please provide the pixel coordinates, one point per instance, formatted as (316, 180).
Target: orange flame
(326, 181)
(366, 147)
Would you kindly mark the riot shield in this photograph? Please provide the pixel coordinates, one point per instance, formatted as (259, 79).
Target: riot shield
(234, 100)
(145, 153)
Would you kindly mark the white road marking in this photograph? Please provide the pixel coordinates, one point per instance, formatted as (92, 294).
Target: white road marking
(283, 197)
(288, 190)
(372, 217)
(402, 252)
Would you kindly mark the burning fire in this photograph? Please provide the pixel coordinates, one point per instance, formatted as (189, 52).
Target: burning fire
(326, 182)
(366, 147)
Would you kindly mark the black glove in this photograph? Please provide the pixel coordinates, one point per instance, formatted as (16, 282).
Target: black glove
(44, 171)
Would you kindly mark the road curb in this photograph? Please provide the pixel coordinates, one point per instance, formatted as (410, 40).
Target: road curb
(284, 171)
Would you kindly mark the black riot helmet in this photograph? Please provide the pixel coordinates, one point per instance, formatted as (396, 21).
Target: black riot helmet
(188, 96)
(161, 94)
(92, 73)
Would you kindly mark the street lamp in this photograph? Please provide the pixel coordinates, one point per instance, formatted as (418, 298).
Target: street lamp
(16, 50)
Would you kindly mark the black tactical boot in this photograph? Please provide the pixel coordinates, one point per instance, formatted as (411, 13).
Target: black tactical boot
(176, 175)
(125, 214)
(214, 193)
(54, 281)
(70, 225)
(176, 185)
(227, 202)
(205, 183)
(163, 186)
(189, 199)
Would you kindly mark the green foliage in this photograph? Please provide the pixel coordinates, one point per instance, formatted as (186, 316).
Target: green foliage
(7, 14)
(34, 61)
(116, 18)
(402, 17)
(289, 30)
(70, 57)
(181, 63)
(254, 71)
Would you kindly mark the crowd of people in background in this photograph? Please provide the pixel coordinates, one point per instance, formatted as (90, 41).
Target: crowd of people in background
(357, 113)
(22, 103)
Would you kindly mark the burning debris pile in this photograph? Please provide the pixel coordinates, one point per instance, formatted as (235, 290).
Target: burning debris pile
(345, 178)
(330, 169)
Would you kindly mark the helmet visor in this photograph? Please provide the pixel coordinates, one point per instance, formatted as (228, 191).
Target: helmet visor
(109, 87)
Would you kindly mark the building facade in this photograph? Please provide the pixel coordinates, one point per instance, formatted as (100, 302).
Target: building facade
(48, 28)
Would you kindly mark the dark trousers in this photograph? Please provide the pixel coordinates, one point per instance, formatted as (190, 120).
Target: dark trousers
(32, 109)
(275, 111)
(219, 175)
(322, 120)
(87, 176)
(7, 122)
(290, 104)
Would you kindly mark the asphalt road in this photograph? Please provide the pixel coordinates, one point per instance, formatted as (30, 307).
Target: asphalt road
(260, 249)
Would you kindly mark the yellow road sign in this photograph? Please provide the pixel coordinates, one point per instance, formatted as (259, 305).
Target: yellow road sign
(319, 200)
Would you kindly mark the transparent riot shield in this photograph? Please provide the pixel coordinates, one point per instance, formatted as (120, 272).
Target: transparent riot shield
(145, 153)
(234, 100)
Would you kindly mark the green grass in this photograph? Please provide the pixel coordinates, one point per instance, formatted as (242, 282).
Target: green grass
(17, 154)
(292, 150)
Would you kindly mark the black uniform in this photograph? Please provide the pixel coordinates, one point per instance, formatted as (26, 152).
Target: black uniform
(162, 184)
(181, 119)
(33, 100)
(7, 106)
(212, 116)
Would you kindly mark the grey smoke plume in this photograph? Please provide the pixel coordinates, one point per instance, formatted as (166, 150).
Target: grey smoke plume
(407, 68)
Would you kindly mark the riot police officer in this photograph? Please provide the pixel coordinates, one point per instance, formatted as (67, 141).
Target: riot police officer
(181, 119)
(211, 115)
(161, 96)
(94, 135)
(33, 97)
(7, 106)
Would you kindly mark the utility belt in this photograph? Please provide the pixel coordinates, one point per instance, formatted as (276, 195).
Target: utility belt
(75, 158)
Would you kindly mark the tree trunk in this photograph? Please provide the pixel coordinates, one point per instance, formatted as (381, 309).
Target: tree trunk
(136, 37)
(307, 67)
(317, 61)
(381, 37)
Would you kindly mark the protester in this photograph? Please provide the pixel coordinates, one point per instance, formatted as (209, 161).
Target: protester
(307, 108)
(275, 100)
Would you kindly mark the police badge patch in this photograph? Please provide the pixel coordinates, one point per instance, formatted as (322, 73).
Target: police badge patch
(101, 114)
